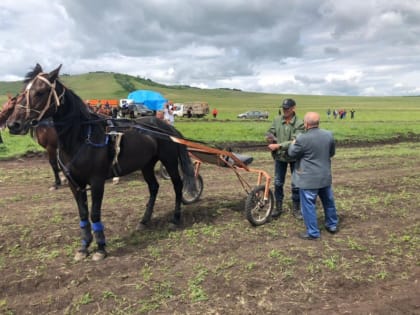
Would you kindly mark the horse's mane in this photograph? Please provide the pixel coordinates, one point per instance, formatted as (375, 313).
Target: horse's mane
(78, 104)
(32, 74)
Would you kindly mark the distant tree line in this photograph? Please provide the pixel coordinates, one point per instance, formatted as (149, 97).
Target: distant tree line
(124, 81)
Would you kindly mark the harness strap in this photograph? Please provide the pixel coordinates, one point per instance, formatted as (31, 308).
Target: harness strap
(52, 94)
(67, 173)
(116, 169)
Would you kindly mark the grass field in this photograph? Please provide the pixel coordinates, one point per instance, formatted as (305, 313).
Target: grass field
(376, 118)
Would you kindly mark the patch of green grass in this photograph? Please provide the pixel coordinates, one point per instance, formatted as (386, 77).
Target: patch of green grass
(225, 264)
(331, 262)
(195, 290)
(109, 295)
(191, 235)
(382, 275)
(282, 258)
(154, 251)
(4, 309)
(250, 266)
(56, 218)
(84, 299)
(44, 254)
(354, 245)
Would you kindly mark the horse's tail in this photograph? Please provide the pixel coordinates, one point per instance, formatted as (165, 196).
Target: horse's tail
(188, 171)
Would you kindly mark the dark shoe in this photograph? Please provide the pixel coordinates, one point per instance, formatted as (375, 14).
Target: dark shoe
(277, 211)
(332, 230)
(307, 237)
(297, 213)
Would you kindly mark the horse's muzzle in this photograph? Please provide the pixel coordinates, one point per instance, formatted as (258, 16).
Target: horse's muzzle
(17, 128)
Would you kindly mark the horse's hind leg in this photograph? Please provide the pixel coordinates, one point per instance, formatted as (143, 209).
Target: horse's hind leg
(173, 171)
(153, 185)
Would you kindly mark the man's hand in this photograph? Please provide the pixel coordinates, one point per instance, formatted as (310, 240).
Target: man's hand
(274, 146)
(270, 138)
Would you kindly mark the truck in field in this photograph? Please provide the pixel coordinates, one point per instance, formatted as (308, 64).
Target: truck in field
(198, 109)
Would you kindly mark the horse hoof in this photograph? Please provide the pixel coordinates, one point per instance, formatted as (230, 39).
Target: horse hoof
(116, 180)
(141, 227)
(80, 255)
(99, 255)
(53, 188)
(173, 226)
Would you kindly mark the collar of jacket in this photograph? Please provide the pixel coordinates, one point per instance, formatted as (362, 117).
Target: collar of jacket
(290, 122)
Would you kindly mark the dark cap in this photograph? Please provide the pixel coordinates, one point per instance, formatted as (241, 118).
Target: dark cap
(287, 103)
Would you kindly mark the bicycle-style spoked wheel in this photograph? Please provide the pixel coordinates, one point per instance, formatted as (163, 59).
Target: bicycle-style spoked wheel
(258, 210)
(188, 198)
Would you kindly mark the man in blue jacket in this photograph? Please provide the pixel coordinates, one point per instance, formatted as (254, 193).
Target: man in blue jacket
(313, 151)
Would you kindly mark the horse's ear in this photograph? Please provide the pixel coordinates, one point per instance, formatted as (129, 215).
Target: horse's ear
(53, 75)
(38, 68)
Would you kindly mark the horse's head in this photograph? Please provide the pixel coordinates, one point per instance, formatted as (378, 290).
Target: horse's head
(7, 110)
(39, 100)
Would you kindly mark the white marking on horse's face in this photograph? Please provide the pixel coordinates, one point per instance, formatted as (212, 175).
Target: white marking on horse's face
(28, 87)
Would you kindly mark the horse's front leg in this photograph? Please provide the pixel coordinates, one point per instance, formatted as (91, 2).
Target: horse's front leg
(56, 171)
(177, 184)
(97, 194)
(153, 185)
(80, 196)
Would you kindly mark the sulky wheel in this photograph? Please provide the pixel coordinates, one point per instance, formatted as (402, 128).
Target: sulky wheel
(188, 198)
(163, 172)
(258, 211)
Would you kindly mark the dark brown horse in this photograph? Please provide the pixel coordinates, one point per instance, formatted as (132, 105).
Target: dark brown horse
(44, 134)
(89, 155)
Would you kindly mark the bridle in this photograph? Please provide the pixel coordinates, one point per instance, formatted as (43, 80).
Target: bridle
(53, 98)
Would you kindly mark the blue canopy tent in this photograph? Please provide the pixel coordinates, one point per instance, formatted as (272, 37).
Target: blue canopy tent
(151, 99)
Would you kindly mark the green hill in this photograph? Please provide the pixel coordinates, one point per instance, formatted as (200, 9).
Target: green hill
(114, 85)
(376, 119)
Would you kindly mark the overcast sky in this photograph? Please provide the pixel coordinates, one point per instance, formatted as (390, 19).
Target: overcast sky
(336, 47)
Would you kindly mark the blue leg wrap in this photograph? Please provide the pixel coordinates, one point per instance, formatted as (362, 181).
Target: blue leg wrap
(97, 226)
(84, 224)
(86, 233)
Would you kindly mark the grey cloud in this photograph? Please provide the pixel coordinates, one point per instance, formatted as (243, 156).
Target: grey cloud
(331, 50)
(307, 47)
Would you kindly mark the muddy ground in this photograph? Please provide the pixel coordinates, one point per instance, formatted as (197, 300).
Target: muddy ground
(216, 262)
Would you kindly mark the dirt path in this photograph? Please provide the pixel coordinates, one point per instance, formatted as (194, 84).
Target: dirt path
(216, 263)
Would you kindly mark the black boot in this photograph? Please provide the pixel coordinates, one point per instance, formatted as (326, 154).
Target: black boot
(296, 210)
(278, 210)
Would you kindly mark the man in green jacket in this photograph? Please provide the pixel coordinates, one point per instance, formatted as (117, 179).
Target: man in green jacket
(282, 132)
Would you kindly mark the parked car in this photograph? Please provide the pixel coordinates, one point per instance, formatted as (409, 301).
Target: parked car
(138, 110)
(254, 114)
